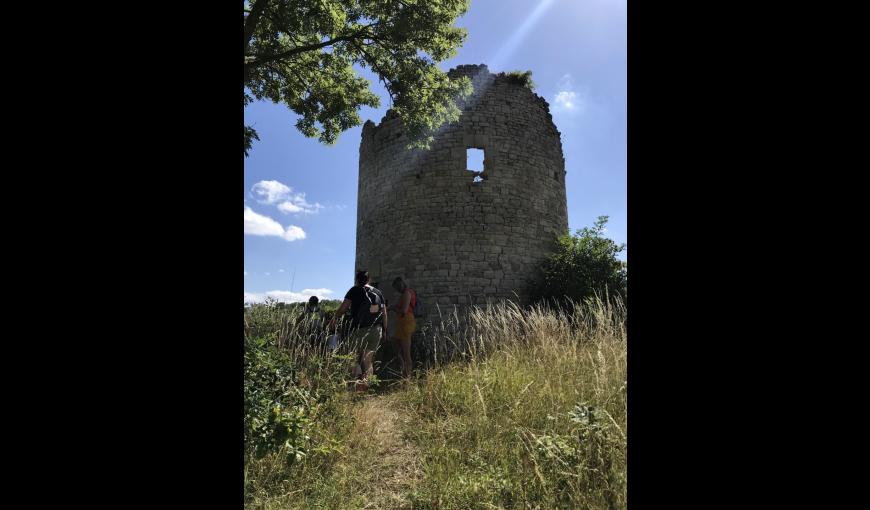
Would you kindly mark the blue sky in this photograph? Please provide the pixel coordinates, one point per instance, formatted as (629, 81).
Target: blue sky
(300, 195)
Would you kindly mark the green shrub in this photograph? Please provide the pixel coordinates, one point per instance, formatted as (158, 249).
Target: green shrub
(583, 266)
(290, 381)
(277, 410)
(523, 78)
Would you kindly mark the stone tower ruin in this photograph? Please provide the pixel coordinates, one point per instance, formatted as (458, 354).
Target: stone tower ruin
(456, 236)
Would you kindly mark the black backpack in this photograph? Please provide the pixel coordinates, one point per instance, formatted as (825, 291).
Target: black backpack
(371, 309)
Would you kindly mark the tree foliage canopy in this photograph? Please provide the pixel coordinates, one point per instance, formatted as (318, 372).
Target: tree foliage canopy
(302, 53)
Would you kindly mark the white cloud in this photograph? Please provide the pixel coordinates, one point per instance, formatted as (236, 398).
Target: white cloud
(289, 207)
(270, 192)
(268, 274)
(259, 225)
(287, 296)
(294, 233)
(568, 100)
(246, 273)
(280, 270)
(297, 204)
(275, 192)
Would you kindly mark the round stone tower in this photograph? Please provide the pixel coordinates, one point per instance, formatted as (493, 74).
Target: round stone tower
(456, 236)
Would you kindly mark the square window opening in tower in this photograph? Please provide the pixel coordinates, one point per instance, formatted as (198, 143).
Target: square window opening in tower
(475, 159)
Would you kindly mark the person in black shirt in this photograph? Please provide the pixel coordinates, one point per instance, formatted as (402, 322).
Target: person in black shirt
(368, 320)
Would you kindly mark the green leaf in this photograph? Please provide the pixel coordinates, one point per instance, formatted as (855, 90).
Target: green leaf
(302, 54)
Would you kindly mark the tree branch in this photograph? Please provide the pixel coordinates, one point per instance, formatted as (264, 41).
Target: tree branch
(374, 64)
(257, 60)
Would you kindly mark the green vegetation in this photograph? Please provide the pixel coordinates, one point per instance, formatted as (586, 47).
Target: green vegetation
(302, 54)
(583, 266)
(523, 78)
(531, 413)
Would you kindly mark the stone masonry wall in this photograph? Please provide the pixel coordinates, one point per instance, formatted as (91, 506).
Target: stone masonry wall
(420, 214)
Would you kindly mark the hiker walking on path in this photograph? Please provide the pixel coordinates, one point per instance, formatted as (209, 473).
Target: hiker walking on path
(312, 319)
(406, 324)
(368, 320)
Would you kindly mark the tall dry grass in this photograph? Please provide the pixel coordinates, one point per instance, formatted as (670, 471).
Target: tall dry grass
(291, 331)
(535, 416)
(518, 408)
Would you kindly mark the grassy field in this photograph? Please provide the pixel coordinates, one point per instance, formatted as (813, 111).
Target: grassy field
(529, 411)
